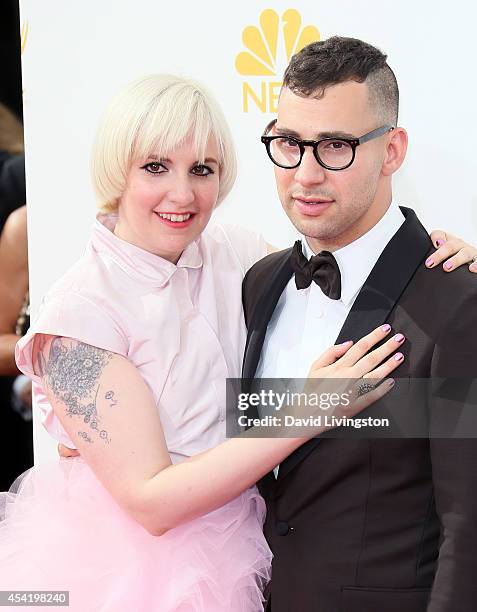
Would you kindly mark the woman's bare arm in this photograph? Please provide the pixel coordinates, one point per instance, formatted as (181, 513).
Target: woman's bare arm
(109, 413)
(13, 285)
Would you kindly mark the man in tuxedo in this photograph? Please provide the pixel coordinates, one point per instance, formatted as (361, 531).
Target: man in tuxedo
(361, 525)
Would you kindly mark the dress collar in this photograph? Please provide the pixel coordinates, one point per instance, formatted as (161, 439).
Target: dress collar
(136, 262)
(357, 259)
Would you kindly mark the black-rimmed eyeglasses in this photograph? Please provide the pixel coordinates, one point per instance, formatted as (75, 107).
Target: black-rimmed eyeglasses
(331, 153)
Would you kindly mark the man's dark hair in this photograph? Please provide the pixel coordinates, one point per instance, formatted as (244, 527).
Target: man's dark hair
(340, 59)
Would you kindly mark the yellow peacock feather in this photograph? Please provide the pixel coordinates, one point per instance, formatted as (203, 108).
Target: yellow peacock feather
(23, 36)
(262, 42)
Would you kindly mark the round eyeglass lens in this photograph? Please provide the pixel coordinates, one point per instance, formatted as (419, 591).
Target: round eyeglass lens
(285, 152)
(335, 153)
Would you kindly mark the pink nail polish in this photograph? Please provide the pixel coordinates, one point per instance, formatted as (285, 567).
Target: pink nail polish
(440, 242)
(346, 342)
(399, 337)
(386, 328)
(429, 262)
(448, 265)
(398, 356)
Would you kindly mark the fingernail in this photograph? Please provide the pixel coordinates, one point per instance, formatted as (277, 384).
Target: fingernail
(386, 328)
(391, 382)
(473, 267)
(399, 337)
(429, 262)
(398, 356)
(347, 342)
(448, 265)
(439, 242)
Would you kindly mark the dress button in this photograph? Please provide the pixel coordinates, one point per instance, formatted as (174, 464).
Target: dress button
(282, 528)
(319, 312)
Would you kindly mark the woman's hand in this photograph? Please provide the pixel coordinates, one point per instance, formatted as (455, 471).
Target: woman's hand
(453, 251)
(346, 371)
(348, 360)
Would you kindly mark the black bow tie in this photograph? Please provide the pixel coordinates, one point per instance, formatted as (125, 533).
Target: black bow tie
(322, 268)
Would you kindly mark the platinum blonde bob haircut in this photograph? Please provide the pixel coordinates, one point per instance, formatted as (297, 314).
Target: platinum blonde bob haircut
(153, 116)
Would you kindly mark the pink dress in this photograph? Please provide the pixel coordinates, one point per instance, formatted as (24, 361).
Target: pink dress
(61, 530)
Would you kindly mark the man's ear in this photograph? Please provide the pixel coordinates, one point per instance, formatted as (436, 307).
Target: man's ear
(395, 151)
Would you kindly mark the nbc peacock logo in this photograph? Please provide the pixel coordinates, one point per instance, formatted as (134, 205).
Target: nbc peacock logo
(23, 36)
(269, 49)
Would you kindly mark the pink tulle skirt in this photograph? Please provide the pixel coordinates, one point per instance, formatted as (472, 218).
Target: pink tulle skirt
(61, 530)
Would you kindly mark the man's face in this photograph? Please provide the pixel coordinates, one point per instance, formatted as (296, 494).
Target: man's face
(332, 208)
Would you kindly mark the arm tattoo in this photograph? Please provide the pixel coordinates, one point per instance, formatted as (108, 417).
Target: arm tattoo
(110, 396)
(72, 373)
(85, 436)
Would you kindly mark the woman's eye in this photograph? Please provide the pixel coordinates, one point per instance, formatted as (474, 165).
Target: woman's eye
(154, 168)
(202, 170)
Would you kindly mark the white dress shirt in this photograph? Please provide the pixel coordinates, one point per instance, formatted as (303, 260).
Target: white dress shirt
(305, 321)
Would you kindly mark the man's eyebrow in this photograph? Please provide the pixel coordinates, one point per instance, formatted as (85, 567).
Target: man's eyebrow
(337, 134)
(284, 131)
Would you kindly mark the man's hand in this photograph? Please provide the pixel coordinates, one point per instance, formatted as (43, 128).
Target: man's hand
(453, 251)
(64, 451)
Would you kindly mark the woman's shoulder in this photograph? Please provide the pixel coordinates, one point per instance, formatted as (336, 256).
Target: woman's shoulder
(75, 307)
(90, 277)
(84, 304)
(244, 245)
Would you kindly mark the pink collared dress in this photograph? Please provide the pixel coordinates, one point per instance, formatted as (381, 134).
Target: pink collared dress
(182, 326)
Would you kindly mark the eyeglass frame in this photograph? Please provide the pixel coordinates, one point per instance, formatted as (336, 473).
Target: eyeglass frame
(352, 142)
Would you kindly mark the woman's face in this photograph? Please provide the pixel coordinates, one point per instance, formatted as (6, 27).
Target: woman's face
(168, 202)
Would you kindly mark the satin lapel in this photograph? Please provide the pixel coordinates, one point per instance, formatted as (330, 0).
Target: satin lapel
(403, 254)
(270, 294)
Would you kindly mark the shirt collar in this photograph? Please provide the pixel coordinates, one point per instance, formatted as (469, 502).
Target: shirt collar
(137, 262)
(357, 259)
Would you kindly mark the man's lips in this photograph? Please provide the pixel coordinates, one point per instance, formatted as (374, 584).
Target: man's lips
(312, 207)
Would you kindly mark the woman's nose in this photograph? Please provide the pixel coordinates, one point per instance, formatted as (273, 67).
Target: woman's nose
(181, 191)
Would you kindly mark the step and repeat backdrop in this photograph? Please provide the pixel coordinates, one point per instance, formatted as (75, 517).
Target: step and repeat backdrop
(77, 55)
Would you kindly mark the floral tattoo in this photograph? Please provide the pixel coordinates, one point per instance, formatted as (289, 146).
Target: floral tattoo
(72, 372)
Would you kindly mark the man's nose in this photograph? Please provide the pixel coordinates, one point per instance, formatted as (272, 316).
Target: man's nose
(309, 172)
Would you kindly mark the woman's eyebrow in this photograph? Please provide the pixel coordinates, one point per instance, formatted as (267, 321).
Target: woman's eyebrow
(207, 160)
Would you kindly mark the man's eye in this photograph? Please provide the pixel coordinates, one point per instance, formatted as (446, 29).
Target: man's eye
(336, 145)
(154, 168)
(287, 143)
(202, 170)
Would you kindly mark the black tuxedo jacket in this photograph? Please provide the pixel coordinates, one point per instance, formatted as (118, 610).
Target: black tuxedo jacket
(379, 525)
